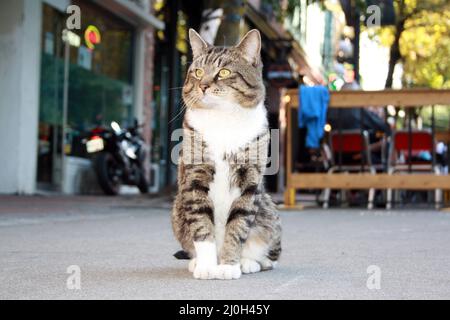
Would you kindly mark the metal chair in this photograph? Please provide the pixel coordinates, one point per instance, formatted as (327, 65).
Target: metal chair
(350, 142)
(407, 145)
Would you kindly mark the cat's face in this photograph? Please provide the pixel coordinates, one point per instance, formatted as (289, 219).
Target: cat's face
(220, 76)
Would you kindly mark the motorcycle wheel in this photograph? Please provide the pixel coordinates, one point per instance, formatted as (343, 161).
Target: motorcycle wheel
(106, 167)
(143, 184)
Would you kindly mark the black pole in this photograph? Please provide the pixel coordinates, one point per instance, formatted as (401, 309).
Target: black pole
(448, 148)
(410, 114)
(173, 81)
(341, 143)
(361, 128)
(433, 136)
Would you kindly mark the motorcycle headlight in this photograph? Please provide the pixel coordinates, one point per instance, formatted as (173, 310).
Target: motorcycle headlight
(130, 153)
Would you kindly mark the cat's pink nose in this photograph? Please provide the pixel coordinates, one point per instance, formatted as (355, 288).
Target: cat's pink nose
(203, 87)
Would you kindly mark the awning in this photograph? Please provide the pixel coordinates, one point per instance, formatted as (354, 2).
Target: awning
(131, 12)
(275, 33)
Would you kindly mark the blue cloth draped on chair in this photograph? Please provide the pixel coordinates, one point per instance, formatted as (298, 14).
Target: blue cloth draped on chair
(312, 113)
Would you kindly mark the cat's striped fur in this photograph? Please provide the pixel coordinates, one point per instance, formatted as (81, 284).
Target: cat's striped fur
(222, 217)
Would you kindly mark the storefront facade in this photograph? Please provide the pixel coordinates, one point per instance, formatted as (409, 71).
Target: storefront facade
(66, 82)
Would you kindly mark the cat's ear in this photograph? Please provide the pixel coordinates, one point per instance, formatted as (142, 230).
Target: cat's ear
(250, 46)
(197, 43)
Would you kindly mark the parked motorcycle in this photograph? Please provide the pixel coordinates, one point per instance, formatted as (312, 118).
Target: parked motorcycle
(118, 157)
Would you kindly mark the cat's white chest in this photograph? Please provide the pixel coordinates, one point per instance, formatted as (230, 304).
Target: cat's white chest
(228, 128)
(225, 132)
(222, 194)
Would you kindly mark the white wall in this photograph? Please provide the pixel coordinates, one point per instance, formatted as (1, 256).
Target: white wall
(20, 42)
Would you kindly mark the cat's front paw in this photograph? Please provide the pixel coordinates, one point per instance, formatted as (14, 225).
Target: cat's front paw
(228, 271)
(249, 266)
(204, 272)
(192, 264)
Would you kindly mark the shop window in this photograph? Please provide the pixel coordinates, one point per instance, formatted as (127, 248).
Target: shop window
(100, 81)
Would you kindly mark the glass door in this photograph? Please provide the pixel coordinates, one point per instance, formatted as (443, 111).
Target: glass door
(51, 100)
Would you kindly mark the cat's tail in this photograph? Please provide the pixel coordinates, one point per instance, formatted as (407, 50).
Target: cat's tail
(182, 255)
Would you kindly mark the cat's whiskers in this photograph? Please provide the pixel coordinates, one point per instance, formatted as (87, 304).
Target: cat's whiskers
(176, 88)
(183, 108)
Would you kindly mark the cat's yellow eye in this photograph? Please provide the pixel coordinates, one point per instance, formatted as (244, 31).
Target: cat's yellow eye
(199, 73)
(223, 73)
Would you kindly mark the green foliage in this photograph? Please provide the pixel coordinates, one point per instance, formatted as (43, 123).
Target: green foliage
(441, 116)
(425, 48)
(424, 41)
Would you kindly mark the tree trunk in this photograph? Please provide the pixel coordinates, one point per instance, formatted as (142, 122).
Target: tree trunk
(229, 31)
(394, 54)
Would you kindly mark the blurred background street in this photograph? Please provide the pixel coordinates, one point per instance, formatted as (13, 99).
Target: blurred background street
(124, 249)
(85, 76)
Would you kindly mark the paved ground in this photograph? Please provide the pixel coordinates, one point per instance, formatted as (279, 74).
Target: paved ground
(124, 249)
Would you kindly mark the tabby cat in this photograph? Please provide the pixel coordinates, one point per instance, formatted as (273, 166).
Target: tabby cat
(226, 223)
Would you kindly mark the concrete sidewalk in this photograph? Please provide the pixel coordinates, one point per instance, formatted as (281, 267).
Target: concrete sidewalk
(124, 249)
